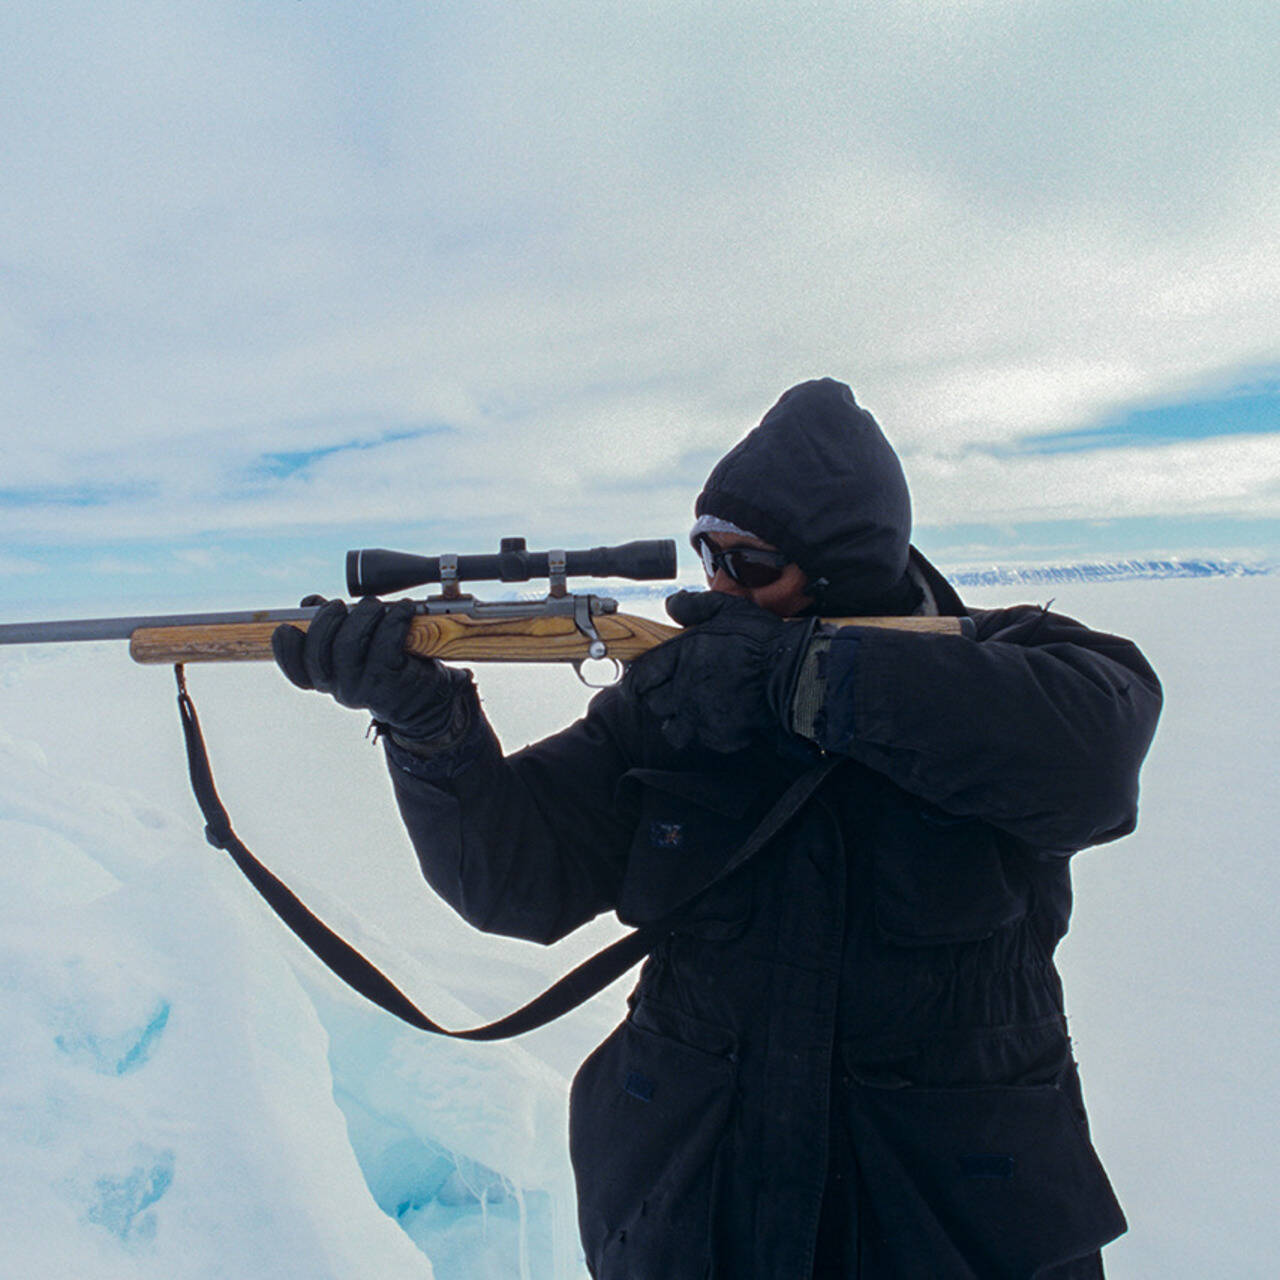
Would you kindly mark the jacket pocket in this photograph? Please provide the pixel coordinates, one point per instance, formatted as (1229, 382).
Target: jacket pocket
(993, 1183)
(688, 825)
(647, 1113)
(1035, 1052)
(940, 879)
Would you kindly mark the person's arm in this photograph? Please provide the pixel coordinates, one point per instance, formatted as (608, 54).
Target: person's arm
(530, 845)
(1039, 726)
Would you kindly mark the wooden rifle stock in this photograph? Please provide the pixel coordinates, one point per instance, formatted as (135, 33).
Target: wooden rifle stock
(459, 637)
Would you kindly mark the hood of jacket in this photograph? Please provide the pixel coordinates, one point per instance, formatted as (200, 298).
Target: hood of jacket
(818, 480)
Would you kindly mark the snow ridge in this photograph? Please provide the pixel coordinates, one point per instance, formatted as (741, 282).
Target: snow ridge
(1007, 574)
(1103, 571)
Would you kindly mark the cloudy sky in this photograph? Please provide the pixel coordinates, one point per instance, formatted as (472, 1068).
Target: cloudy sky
(280, 277)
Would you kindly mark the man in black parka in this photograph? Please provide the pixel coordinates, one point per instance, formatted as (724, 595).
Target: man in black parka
(849, 1058)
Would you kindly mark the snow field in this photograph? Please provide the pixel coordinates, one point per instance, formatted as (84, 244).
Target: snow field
(185, 1094)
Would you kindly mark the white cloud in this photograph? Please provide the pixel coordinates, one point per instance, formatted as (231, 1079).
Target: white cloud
(1234, 475)
(598, 240)
(17, 565)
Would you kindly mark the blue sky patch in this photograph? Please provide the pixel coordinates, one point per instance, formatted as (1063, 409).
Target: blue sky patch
(293, 462)
(1252, 410)
(71, 495)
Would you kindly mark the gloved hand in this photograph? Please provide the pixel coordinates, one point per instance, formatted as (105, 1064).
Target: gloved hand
(729, 678)
(358, 657)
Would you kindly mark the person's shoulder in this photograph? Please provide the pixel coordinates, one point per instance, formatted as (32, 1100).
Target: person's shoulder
(1038, 626)
(1012, 623)
(1032, 624)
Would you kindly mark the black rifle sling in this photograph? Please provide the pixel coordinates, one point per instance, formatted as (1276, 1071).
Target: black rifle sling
(576, 987)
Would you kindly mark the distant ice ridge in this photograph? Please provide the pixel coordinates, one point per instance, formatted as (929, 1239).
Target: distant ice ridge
(984, 575)
(1103, 571)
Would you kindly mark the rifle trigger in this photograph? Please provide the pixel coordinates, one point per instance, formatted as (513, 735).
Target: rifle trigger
(596, 648)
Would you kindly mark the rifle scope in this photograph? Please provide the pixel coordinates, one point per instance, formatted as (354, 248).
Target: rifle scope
(373, 571)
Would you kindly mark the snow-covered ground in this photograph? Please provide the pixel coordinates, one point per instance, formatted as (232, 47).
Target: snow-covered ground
(185, 1094)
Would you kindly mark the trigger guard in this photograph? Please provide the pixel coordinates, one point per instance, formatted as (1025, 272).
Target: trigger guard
(579, 663)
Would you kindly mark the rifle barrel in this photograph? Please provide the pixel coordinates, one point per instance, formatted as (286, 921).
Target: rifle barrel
(75, 629)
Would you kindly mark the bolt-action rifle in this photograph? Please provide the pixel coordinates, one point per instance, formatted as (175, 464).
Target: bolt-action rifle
(455, 626)
(563, 627)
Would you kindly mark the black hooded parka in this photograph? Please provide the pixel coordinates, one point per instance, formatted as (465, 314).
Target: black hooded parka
(850, 1058)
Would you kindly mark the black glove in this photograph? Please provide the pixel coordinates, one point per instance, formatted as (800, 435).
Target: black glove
(358, 657)
(729, 678)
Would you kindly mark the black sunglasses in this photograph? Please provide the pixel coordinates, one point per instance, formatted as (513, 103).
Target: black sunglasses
(750, 567)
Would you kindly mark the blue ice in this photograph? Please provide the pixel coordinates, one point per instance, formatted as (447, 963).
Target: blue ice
(116, 1055)
(121, 1203)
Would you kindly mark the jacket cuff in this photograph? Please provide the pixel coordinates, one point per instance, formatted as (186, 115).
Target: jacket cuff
(443, 754)
(811, 688)
(834, 722)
